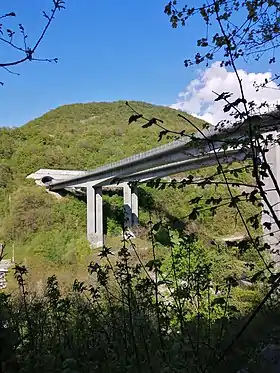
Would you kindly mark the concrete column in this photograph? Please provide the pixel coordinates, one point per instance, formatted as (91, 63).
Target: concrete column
(95, 216)
(99, 235)
(134, 206)
(273, 159)
(91, 228)
(130, 196)
(127, 199)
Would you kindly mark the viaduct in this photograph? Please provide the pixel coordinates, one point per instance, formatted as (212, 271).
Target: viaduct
(188, 153)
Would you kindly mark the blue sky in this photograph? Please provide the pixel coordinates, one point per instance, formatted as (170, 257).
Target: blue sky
(108, 50)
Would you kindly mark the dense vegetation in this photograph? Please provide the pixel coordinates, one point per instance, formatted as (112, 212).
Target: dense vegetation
(177, 299)
(114, 323)
(177, 285)
(42, 229)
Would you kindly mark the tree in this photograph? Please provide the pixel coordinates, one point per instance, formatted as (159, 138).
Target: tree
(248, 30)
(26, 51)
(236, 30)
(245, 29)
(141, 325)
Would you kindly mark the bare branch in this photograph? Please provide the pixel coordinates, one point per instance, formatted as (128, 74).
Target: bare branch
(30, 51)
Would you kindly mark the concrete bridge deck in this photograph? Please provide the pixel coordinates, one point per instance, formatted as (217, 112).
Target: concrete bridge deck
(204, 148)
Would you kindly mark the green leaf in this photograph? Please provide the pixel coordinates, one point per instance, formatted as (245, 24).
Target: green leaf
(161, 134)
(232, 281)
(233, 308)
(194, 214)
(134, 118)
(267, 225)
(156, 227)
(154, 264)
(150, 123)
(195, 199)
(257, 276)
(219, 169)
(219, 301)
(223, 96)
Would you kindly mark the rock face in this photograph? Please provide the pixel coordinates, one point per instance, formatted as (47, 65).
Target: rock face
(266, 361)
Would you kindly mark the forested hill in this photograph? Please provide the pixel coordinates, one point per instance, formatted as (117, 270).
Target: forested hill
(83, 136)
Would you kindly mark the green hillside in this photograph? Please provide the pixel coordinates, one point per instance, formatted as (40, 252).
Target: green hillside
(47, 233)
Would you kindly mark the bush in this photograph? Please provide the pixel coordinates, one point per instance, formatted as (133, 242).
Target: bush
(121, 322)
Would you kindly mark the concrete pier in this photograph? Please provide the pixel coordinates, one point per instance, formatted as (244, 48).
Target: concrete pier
(273, 159)
(127, 201)
(134, 206)
(95, 230)
(95, 233)
(130, 196)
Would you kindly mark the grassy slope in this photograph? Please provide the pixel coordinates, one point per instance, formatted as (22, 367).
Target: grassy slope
(46, 232)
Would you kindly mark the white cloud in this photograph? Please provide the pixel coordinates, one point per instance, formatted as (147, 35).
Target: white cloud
(198, 97)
